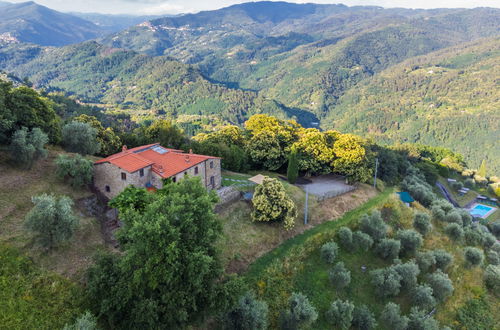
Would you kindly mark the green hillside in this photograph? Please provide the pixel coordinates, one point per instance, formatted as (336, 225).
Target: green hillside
(304, 55)
(30, 22)
(127, 80)
(448, 98)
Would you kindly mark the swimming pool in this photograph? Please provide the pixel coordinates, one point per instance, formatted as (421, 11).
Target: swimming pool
(481, 211)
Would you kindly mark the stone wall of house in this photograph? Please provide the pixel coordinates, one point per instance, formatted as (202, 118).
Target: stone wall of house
(215, 172)
(107, 174)
(157, 180)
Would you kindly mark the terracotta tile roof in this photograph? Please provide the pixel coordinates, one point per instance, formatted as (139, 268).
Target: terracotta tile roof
(164, 164)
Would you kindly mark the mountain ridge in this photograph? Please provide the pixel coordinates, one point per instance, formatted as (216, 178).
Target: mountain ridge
(33, 23)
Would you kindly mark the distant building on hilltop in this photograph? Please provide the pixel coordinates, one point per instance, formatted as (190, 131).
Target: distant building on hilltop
(147, 165)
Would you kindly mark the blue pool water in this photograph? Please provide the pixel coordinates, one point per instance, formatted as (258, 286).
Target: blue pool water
(480, 210)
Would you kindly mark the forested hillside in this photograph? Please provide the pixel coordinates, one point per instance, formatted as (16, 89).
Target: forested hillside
(304, 55)
(322, 64)
(30, 22)
(127, 80)
(449, 98)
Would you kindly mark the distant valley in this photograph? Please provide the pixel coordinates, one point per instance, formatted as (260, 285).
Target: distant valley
(326, 64)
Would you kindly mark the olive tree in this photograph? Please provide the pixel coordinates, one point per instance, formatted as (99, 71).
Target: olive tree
(362, 241)
(422, 297)
(271, 203)
(329, 252)
(77, 170)
(345, 238)
(363, 318)
(493, 257)
(422, 223)
(86, 321)
(454, 231)
(411, 241)
(52, 219)
(473, 256)
(408, 272)
(492, 278)
(249, 313)
(419, 320)
(443, 259)
(81, 138)
(28, 146)
(374, 226)
(425, 260)
(388, 248)
(387, 282)
(392, 319)
(300, 313)
(340, 277)
(442, 286)
(340, 314)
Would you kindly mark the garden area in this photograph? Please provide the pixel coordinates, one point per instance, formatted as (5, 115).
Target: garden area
(431, 262)
(244, 240)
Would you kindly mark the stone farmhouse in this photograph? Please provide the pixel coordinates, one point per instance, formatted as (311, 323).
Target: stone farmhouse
(148, 165)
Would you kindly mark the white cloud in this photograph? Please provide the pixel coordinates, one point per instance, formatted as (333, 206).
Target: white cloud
(164, 8)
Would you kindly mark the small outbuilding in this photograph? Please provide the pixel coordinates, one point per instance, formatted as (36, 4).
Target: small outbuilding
(405, 197)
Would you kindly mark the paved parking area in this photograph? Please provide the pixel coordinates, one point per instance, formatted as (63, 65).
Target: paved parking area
(327, 186)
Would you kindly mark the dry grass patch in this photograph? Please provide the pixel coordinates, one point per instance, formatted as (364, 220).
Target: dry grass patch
(245, 241)
(16, 189)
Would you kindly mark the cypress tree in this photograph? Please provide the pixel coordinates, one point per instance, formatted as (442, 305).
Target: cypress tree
(482, 169)
(293, 167)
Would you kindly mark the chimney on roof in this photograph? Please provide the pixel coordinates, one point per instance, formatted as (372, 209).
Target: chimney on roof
(187, 158)
(190, 151)
(124, 148)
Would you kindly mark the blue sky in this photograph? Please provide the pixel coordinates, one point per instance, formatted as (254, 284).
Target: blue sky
(183, 6)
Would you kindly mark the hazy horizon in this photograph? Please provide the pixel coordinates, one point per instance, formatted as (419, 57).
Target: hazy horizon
(159, 7)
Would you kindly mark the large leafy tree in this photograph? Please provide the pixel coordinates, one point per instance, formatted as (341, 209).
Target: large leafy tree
(314, 151)
(352, 157)
(265, 151)
(270, 140)
(271, 203)
(228, 135)
(24, 107)
(166, 133)
(168, 274)
(52, 218)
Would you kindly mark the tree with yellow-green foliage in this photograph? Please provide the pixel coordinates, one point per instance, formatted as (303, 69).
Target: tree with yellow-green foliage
(271, 203)
(286, 131)
(228, 135)
(351, 157)
(315, 153)
(264, 150)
